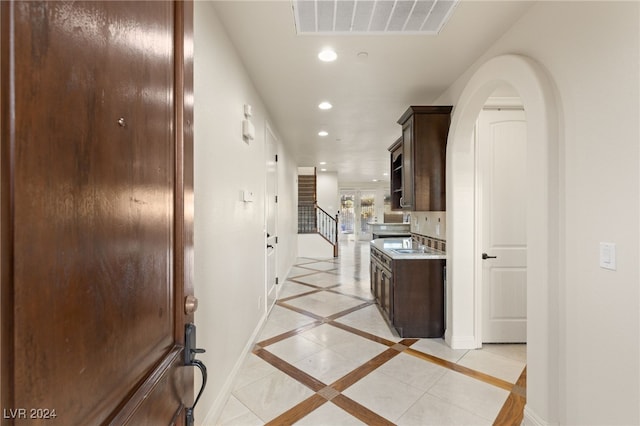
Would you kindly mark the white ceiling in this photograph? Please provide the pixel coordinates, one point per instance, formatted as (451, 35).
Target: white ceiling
(369, 93)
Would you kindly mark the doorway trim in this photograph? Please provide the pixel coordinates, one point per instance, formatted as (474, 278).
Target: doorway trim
(544, 326)
(493, 103)
(269, 133)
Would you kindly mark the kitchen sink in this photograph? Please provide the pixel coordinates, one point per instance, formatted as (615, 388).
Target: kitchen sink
(408, 250)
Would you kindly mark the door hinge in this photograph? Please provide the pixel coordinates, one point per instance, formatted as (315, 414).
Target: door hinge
(276, 240)
(276, 158)
(277, 280)
(276, 199)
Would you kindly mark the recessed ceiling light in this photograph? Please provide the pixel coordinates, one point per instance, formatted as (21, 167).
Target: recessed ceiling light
(375, 180)
(325, 105)
(323, 133)
(363, 55)
(385, 174)
(323, 170)
(327, 55)
(322, 163)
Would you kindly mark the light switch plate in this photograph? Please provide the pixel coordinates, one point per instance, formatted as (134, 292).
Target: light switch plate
(608, 256)
(248, 131)
(247, 196)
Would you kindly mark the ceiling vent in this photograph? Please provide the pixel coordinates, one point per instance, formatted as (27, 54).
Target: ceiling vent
(358, 17)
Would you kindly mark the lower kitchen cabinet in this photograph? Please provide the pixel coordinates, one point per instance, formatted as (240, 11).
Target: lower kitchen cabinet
(410, 292)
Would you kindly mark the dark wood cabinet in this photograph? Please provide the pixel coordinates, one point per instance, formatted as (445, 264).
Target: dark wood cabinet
(396, 174)
(382, 282)
(418, 159)
(386, 282)
(410, 292)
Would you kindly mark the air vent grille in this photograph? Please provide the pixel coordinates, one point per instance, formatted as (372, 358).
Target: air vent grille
(371, 16)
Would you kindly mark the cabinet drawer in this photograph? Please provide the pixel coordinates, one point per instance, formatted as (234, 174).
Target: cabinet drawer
(381, 258)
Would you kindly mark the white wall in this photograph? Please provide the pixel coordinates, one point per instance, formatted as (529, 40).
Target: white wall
(590, 51)
(314, 246)
(229, 233)
(327, 192)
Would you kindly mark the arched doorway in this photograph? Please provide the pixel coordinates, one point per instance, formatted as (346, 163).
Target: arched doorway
(544, 326)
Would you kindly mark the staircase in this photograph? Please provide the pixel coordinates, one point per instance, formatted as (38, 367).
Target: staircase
(306, 204)
(311, 218)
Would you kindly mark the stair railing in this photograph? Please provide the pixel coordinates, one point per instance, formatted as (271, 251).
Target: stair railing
(328, 228)
(307, 219)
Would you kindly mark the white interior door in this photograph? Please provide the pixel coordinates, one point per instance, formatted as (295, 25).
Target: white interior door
(271, 217)
(502, 162)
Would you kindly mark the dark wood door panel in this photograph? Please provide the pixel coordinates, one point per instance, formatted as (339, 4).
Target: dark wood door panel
(89, 180)
(160, 400)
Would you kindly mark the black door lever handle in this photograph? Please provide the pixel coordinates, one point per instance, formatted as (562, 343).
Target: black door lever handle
(190, 352)
(485, 256)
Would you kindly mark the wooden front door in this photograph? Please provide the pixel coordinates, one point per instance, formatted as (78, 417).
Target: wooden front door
(96, 186)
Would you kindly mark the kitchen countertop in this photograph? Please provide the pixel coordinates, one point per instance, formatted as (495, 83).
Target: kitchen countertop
(402, 224)
(387, 245)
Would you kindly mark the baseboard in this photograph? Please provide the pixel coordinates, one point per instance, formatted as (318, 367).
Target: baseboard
(460, 342)
(532, 419)
(225, 392)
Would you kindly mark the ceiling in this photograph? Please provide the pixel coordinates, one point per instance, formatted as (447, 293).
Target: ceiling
(370, 85)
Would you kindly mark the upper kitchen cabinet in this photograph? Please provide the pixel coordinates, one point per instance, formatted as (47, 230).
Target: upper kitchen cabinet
(396, 174)
(418, 159)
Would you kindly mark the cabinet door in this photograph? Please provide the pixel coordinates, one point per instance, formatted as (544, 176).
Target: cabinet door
(379, 295)
(373, 272)
(396, 175)
(406, 202)
(387, 293)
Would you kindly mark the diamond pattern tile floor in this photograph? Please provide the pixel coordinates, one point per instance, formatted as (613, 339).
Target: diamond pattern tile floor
(326, 356)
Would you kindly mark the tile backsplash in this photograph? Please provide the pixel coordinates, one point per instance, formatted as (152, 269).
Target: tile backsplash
(430, 229)
(429, 224)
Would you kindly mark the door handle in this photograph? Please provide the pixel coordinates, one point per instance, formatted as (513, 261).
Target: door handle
(190, 352)
(269, 246)
(485, 256)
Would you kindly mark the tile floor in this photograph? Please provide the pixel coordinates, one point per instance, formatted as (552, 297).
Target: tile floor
(326, 356)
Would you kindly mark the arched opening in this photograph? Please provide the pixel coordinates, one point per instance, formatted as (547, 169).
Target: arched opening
(542, 221)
